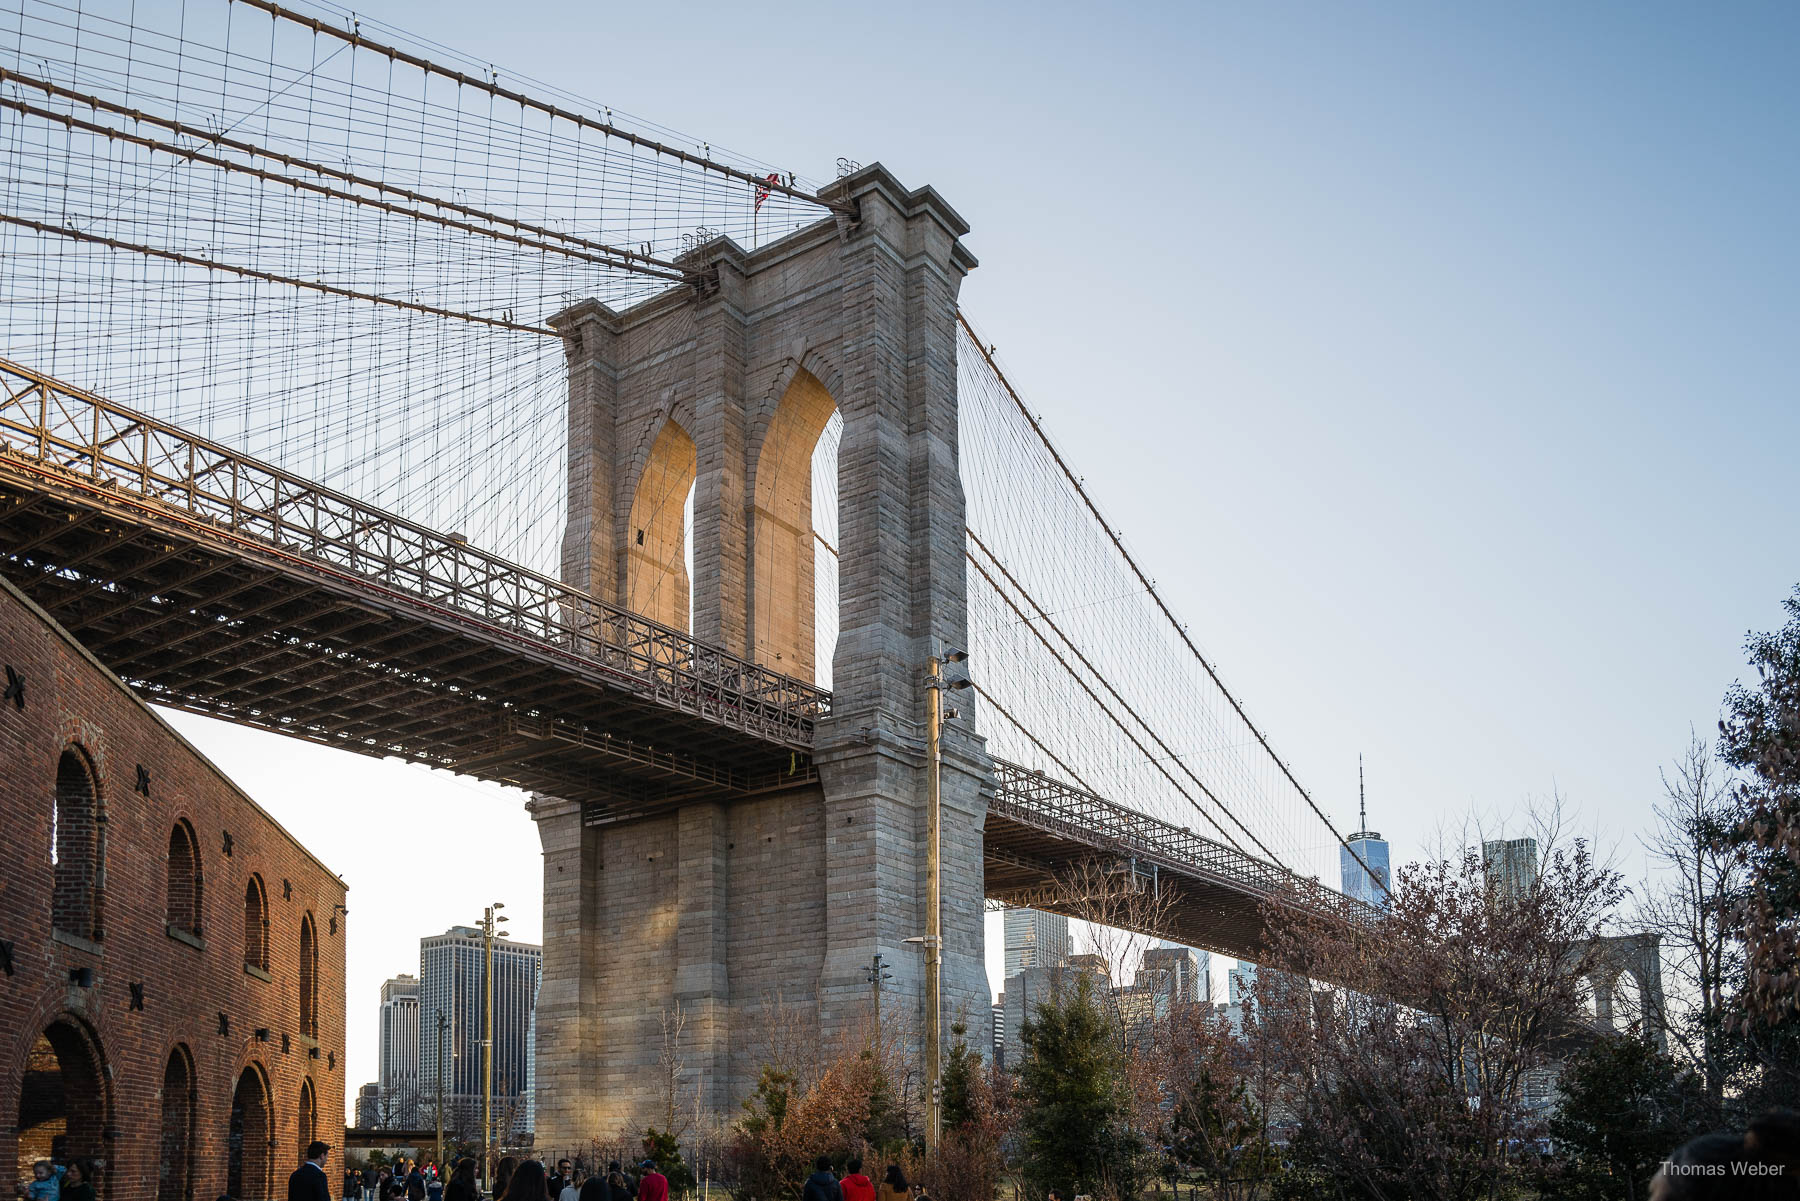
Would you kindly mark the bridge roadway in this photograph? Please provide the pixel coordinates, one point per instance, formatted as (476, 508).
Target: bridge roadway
(218, 584)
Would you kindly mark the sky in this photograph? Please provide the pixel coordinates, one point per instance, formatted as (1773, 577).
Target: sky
(1437, 360)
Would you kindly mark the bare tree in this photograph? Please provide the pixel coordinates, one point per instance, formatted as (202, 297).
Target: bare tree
(1410, 1076)
(1688, 906)
(677, 1118)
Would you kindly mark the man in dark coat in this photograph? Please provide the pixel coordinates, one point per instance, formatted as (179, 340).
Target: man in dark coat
(308, 1182)
(822, 1185)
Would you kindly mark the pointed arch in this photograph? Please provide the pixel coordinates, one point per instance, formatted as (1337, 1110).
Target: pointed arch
(783, 540)
(656, 575)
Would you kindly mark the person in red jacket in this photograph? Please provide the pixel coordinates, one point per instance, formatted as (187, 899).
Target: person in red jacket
(652, 1185)
(855, 1185)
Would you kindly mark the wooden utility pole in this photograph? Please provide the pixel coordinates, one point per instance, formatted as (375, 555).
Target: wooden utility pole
(934, 917)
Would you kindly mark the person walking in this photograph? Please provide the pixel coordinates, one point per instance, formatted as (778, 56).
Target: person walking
(856, 1186)
(652, 1185)
(559, 1180)
(623, 1187)
(308, 1182)
(461, 1186)
(894, 1186)
(415, 1184)
(571, 1189)
(822, 1185)
(526, 1182)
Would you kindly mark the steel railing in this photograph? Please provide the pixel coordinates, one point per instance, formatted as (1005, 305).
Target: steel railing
(78, 437)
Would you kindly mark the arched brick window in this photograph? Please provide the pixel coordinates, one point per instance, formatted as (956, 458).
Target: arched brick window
(256, 924)
(309, 1115)
(75, 847)
(309, 980)
(184, 879)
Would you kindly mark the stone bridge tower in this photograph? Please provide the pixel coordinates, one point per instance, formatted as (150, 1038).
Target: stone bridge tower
(730, 910)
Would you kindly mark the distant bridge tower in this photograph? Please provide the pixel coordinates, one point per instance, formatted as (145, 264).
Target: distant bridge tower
(727, 909)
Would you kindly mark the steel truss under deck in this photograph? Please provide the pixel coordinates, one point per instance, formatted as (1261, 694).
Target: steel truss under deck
(221, 585)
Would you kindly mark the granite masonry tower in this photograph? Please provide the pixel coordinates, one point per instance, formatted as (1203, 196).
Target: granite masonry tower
(732, 910)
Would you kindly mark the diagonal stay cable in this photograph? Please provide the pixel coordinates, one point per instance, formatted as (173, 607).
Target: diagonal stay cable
(1097, 674)
(1124, 729)
(1180, 630)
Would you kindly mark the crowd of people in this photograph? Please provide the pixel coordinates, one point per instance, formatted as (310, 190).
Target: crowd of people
(570, 1180)
(1760, 1162)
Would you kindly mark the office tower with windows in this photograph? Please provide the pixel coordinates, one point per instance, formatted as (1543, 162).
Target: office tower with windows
(398, 1071)
(451, 981)
(1511, 866)
(1363, 859)
(1035, 939)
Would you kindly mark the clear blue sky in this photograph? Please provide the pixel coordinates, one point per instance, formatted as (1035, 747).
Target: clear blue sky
(1440, 359)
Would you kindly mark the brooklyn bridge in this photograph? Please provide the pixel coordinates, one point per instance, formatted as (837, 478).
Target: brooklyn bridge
(357, 393)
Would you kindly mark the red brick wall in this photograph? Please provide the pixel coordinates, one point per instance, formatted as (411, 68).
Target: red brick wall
(69, 700)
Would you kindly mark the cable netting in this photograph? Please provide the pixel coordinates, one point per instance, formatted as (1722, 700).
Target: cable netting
(1085, 674)
(288, 240)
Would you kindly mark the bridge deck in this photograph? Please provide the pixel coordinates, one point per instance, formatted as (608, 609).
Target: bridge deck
(221, 585)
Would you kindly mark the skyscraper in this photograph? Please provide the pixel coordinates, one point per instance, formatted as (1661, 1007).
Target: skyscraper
(1183, 974)
(1034, 939)
(450, 971)
(1365, 854)
(397, 1075)
(1511, 866)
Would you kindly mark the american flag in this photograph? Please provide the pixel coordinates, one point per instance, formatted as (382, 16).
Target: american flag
(762, 194)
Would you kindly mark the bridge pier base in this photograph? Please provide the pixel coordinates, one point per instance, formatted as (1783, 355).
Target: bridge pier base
(685, 949)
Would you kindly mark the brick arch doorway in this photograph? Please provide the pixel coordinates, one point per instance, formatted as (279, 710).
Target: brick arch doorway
(63, 1107)
(247, 1170)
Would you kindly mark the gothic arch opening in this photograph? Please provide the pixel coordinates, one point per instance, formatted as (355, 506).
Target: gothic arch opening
(256, 924)
(75, 847)
(247, 1145)
(1627, 1003)
(62, 1098)
(656, 554)
(786, 543)
(309, 979)
(184, 879)
(175, 1168)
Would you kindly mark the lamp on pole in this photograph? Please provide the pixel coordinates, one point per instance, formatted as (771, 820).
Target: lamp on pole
(490, 923)
(935, 686)
(442, 1023)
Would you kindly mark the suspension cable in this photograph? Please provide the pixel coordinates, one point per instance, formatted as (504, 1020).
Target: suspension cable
(1180, 630)
(355, 38)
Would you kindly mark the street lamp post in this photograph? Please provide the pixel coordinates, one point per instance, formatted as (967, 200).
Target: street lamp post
(442, 1022)
(935, 686)
(490, 922)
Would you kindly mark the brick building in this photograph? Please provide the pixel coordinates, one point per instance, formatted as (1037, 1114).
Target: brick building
(171, 959)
